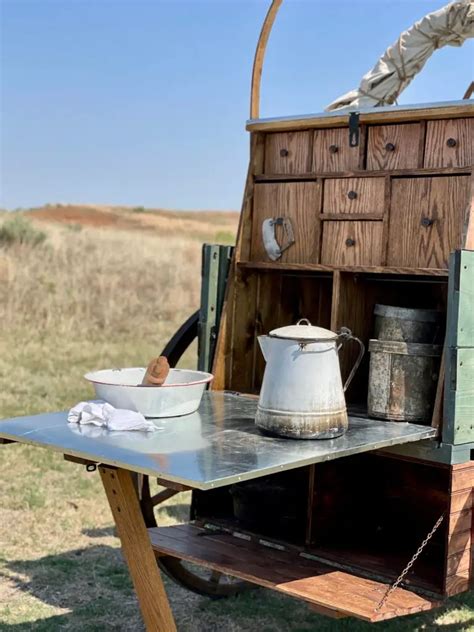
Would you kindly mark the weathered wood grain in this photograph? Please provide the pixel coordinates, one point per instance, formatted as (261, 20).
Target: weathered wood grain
(367, 249)
(332, 153)
(288, 152)
(222, 360)
(439, 200)
(393, 146)
(137, 550)
(317, 267)
(354, 195)
(374, 115)
(395, 173)
(449, 143)
(287, 572)
(300, 203)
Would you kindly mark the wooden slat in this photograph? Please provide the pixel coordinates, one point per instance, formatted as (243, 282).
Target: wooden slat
(461, 500)
(375, 115)
(222, 367)
(393, 173)
(286, 572)
(135, 542)
(460, 521)
(458, 562)
(316, 267)
(462, 478)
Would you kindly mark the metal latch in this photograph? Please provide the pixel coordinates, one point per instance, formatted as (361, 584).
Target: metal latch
(273, 249)
(353, 129)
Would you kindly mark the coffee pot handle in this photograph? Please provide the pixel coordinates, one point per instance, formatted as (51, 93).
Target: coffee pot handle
(346, 334)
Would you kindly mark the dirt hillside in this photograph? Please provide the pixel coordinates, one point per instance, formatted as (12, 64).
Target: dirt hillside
(137, 218)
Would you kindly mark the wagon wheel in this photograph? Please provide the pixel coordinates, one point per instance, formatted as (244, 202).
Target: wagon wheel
(200, 580)
(197, 579)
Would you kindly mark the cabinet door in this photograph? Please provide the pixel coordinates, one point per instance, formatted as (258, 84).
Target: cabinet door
(352, 243)
(426, 220)
(354, 195)
(449, 143)
(394, 147)
(288, 152)
(297, 201)
(332, 153)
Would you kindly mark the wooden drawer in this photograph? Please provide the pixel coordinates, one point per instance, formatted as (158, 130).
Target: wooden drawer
(394, 147)
(426, 220)
(331, 151)
(352, 243)
(449, 143)
(298, 201)
(354, 195)
(288, 152)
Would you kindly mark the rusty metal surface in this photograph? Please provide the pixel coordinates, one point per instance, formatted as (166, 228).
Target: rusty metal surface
(402, 380)
(219, 445)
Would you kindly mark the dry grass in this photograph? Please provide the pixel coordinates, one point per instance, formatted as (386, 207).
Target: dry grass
(89, 299)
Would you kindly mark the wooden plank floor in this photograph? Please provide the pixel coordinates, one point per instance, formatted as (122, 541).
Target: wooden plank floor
(287, 572)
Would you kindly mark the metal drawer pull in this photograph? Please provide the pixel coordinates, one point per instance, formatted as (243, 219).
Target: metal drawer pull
(284, 153)
(427, 221)
(451, 142)
(390, 147)
(273, 249)
(352, 195)
(350, 242)
(333, 149)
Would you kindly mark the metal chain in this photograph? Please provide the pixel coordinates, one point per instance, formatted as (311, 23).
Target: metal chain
(402, 575)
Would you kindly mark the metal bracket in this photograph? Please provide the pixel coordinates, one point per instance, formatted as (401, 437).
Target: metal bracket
(273, 249)
(353, 129)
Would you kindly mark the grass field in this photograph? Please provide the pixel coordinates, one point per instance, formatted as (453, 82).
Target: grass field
(88, 298)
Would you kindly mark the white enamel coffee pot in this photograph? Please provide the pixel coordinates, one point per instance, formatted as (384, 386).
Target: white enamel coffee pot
(302, 395)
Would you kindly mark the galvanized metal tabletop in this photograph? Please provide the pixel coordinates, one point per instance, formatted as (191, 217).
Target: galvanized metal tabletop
(216, 446)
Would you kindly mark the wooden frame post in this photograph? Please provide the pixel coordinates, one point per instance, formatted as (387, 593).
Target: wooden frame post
(146, 577)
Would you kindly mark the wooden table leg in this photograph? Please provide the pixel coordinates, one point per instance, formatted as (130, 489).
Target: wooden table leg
(123, 501)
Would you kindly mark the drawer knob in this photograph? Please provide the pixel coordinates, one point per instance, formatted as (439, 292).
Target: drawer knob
(284, 153)
(350, 242)
(352, 195)
(427, 221)
(451, 142)
(390, 147)
(333, 149)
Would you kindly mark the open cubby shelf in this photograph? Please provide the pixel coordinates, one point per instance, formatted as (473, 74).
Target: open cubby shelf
(366, 513)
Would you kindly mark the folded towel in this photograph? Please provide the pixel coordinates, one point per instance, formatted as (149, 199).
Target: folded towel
(106, 416)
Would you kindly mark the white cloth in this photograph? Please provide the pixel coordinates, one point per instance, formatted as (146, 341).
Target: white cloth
(449, 26)
(106, 416)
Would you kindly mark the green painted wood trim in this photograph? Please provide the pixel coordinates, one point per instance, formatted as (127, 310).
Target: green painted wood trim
(460, 325)
(215, 267)
(434, 452)
(458, 418)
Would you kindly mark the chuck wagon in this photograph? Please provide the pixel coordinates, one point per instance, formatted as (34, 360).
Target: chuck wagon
(362, 207)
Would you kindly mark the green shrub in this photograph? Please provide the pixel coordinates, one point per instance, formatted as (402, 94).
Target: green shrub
(225, 237)
(19, 230)
(139, 209)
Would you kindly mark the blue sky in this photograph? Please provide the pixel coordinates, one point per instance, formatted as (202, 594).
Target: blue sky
(144, 103)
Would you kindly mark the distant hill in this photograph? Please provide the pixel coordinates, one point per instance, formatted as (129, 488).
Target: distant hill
(137, 218)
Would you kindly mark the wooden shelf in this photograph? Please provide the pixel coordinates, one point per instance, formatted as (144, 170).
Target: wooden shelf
(332, 591)
(317, 267)
(394, 173)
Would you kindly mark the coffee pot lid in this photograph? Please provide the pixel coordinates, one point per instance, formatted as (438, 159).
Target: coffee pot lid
(304, 330)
